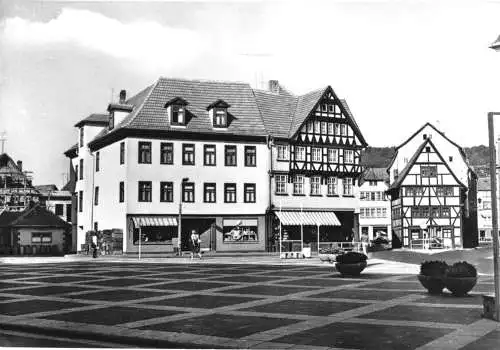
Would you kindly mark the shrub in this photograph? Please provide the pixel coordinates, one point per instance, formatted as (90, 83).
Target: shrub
(351, 258)
(461, 269)
(433, 268)
(330, 251)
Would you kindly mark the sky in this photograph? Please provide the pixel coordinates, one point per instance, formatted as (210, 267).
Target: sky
(399, 64)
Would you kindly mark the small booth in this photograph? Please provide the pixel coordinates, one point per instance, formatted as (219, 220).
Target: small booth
(294, 245)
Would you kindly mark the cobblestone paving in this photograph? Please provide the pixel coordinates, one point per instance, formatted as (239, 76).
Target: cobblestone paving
(239, 306)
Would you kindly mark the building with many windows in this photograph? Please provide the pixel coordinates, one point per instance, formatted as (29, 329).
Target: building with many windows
(433, 193)
(484, 220)
(375, 206)
(16, 188)
(226, 157)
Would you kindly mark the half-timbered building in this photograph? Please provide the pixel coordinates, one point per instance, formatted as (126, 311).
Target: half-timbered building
(314, 170)
(433, 193)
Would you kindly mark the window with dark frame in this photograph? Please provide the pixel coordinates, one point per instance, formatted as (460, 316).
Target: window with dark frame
(230, 193)
(76, 172)
(97, 161)
(68, 213)
(166, 191)
(81, 169)
(121, 192)
(166, 153)
(230, 155)
(41, 238)
(188, 192)
(145, 191)
(250, 156)
(178, 115)
(96, 195)
(428, 170)
(249, 193)
(81, 136)
(187, 154)
(144, 152)
(80, 201)
(209, 155)
(59, 209)
(122, 152)
(220, 118)
(209, 192)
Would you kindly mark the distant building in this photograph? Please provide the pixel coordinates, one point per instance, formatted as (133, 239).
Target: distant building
(57, 201)
(375, 206)
(16, 189)
(484, 209)
(433, 192)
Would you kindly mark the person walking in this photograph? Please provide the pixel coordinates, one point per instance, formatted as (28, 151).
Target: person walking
(195, 244)
(364, 243)
(94, 246)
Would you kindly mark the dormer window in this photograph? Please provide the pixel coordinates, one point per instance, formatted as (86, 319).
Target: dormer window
(218, 112)
(220, 118)
(178, 115)
(177, 111)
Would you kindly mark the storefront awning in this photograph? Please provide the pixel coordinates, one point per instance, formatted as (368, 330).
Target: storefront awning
(154, 221)
(321, 218)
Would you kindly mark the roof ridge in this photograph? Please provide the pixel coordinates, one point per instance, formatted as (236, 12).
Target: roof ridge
(136, 111)
(205, 80)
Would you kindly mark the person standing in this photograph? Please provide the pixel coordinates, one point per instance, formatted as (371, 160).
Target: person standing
(94, 246)
(364, 243)
(195, 244)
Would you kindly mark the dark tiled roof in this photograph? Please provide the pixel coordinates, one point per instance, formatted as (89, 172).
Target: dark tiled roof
(6, 217)
(276, 111)
(72, 151)
(483, 184)
(94, 119)
(38, 216)
(199, 94)
(374, 174)
(355, 125)
(70, 186)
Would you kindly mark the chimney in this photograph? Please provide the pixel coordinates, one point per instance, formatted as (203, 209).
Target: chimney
(123, 96)
(20, 165)
(274, 86)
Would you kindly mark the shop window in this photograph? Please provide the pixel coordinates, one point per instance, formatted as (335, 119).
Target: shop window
(144, 153)
(166, 153)
(41, 238)
(155, 235)
(60, 209)
(240, 230)
(209, 157)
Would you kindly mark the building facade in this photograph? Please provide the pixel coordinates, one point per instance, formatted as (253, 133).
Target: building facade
(484, 220)
(225, 157)
(433, 193)
(375, 206)
(16, 188)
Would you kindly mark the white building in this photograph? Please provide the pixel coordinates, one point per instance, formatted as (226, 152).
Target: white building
(229, 155)
(375, 206)
(433, 192)
(484, 220)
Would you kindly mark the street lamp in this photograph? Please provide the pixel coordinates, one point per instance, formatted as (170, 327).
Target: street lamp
(179, 224)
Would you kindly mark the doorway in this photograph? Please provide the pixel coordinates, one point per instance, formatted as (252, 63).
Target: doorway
(204, 227)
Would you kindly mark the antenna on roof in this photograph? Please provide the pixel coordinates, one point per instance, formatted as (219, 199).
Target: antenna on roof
(3, 139)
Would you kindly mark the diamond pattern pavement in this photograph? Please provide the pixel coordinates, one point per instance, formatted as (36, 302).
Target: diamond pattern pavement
(240, 306)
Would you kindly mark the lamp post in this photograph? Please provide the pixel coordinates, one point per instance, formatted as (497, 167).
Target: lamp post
(494, 204)
(179, 224)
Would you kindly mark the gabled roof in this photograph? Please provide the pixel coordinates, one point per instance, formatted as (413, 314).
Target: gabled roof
(70, 186)
(177, 100)
(276, 110)
(38, 216)
(219, 103)
(305, 105)
(97, 119)
(414, 158)
(6, 217)
(373, 174)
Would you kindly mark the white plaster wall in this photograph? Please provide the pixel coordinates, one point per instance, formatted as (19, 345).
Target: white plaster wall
(198, 174)
(25, 236)
(381, 186)
(51, 205)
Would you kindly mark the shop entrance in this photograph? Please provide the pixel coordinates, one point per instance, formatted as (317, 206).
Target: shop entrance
(204, 227)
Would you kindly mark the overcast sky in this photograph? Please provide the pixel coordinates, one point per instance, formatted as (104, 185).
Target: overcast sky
(398, 64)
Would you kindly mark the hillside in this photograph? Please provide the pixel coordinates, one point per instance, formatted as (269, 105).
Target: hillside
(380, 157)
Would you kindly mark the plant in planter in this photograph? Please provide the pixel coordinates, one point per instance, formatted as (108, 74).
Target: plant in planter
(432, 275)
(351, 263)
(460, 278)
(329, 254)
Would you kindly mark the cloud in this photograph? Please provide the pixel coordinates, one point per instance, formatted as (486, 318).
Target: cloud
(147, 43)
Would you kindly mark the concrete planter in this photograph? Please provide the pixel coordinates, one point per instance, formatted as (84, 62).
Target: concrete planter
(433, 284)
(460, 286)
(350, 269)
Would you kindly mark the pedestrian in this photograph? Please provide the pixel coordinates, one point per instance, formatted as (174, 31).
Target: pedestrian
(364, 243)
(94, 246)
(195, 244)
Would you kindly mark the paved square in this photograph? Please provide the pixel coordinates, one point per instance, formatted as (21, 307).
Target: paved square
(200, 301)
(118, 295)
(47, 290)
(305, 307)
(267, 290)
(222, 325)
(120, 282)
(111, 315)
(316, 282)
(31, 306)
(189, 285)
(353, 293)
(489, 341)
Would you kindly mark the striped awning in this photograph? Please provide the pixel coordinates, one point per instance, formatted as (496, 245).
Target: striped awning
(321, 218)
(154, 221)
